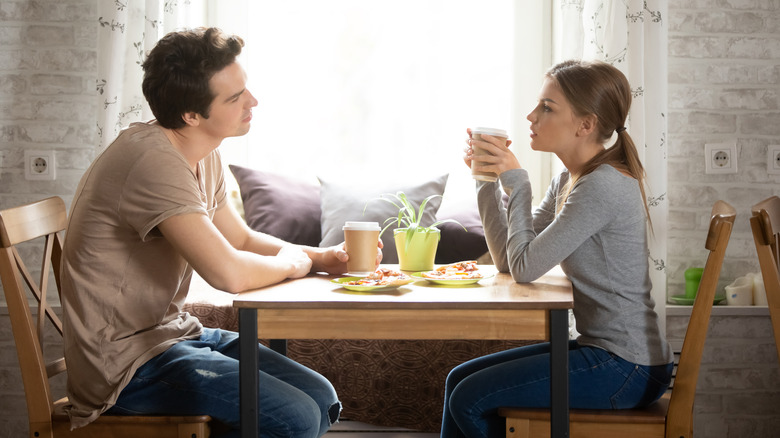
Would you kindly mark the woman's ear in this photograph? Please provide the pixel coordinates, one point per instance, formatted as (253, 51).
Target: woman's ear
(587, 126)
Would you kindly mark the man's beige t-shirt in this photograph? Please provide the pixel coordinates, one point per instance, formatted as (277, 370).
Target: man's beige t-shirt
(123, 284)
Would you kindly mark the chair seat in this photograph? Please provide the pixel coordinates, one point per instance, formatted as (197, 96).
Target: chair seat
(655, 413)
(148, 426)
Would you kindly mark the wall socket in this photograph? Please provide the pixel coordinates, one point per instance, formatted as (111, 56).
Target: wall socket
(773, 159)
(720, 158)
(39, 166)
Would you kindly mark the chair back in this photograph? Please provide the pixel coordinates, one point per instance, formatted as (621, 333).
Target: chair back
(19, 225)
(766, 213)
(679, 422)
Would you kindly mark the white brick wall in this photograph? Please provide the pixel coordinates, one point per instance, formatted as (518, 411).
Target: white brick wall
(724, 85)
(48, 64)
(738, 392)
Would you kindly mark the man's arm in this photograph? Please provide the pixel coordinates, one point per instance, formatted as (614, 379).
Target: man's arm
(228, 255)
(331, 259)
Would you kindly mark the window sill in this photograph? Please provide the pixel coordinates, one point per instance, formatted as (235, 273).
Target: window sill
(720, 310)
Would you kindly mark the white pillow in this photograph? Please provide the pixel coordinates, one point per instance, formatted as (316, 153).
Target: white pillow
(344, 200)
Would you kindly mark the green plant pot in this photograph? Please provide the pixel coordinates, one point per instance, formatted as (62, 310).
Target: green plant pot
(418, 253)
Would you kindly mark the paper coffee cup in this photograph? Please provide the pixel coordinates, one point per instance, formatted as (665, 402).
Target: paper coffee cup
(476, 134)
(360, 242)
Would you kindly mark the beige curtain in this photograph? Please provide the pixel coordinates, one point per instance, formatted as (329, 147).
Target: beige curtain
(127, 31)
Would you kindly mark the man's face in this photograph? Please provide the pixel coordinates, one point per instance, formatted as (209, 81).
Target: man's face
(230, 113)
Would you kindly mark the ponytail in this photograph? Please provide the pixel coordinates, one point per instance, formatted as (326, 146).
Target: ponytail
(624, 157)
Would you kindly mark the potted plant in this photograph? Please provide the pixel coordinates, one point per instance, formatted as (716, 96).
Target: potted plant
(416, 245)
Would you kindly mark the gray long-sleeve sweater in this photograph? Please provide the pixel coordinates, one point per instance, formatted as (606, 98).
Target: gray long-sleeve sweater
(599, 238)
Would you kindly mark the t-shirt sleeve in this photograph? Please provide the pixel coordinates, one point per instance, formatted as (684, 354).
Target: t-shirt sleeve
(216, 172)
(160, 185)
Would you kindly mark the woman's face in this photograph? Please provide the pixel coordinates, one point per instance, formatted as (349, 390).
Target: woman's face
(553, 123)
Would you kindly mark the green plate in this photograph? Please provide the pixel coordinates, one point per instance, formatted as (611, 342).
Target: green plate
(364, 288)
(685, 301)
(461, 282)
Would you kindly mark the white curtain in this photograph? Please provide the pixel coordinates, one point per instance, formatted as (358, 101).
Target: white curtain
(127, 31)
(632, 36)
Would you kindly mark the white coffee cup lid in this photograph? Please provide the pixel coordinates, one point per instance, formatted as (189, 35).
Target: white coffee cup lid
(489, 131)
(355, 225)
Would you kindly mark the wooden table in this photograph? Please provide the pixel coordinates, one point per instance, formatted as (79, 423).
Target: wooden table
(495, 308)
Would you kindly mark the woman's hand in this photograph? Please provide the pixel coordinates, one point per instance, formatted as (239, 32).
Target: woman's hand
(499, 158)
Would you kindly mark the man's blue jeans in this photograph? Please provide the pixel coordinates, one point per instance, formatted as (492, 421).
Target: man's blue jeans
(200, 376)
(520, 377)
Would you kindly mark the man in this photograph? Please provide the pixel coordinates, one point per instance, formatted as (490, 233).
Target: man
(149, 210)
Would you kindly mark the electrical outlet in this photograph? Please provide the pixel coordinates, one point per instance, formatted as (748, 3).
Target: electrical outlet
(773, 159)
(720, 158)
(39, 166)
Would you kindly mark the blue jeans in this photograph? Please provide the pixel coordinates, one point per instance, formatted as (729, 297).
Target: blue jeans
(520, 377)
(200, 376)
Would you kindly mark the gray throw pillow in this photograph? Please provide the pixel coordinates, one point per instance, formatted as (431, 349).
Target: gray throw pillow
(344, 200)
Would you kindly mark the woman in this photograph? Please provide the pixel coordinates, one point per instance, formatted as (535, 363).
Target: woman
(592, 221)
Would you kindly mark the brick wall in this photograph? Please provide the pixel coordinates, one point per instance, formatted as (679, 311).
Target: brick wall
(724, 85)
(48, 65)
(738, 392)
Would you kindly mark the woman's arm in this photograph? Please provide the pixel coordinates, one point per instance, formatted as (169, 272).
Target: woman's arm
(493, 216)
(589, 207)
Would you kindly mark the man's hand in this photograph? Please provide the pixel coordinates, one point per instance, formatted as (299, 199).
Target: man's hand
(333, 259)
(298, 258)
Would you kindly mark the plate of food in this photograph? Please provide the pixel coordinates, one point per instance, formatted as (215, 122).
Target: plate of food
(454, 274)
(380, 280)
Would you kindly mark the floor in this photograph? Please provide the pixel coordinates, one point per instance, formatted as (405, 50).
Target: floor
(354, 429)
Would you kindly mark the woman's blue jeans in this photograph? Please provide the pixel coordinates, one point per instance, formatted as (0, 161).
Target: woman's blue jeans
(520, 377)
(200, 376)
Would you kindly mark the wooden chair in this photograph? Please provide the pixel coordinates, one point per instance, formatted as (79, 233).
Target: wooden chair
(766, 213)
(672, 415)
(45, 219)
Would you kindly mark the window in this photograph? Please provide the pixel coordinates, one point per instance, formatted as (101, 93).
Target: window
(386, 85)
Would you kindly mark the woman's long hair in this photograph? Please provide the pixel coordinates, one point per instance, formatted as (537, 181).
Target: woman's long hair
(599, 89)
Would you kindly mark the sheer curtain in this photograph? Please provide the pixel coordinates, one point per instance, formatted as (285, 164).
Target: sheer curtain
(127, 31)
(632, 36)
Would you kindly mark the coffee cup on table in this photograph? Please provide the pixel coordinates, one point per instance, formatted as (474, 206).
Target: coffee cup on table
(360, 242)
(476, 134)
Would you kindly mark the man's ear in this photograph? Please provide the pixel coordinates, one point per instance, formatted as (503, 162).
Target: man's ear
(588, 124)
(191, 118)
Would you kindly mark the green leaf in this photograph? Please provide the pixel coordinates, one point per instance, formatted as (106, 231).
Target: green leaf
(408, 217)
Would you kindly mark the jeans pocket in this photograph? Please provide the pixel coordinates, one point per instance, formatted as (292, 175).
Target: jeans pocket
(640, 389)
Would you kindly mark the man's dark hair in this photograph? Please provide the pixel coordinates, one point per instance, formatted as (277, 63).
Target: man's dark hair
(178, 69)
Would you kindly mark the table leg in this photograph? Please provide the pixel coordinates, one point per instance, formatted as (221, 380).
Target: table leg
(559, 373)
(278, 345)
(248, 357)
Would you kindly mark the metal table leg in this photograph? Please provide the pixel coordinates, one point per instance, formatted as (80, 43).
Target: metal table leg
(278, 345)
(247, 371)
(559, 373)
